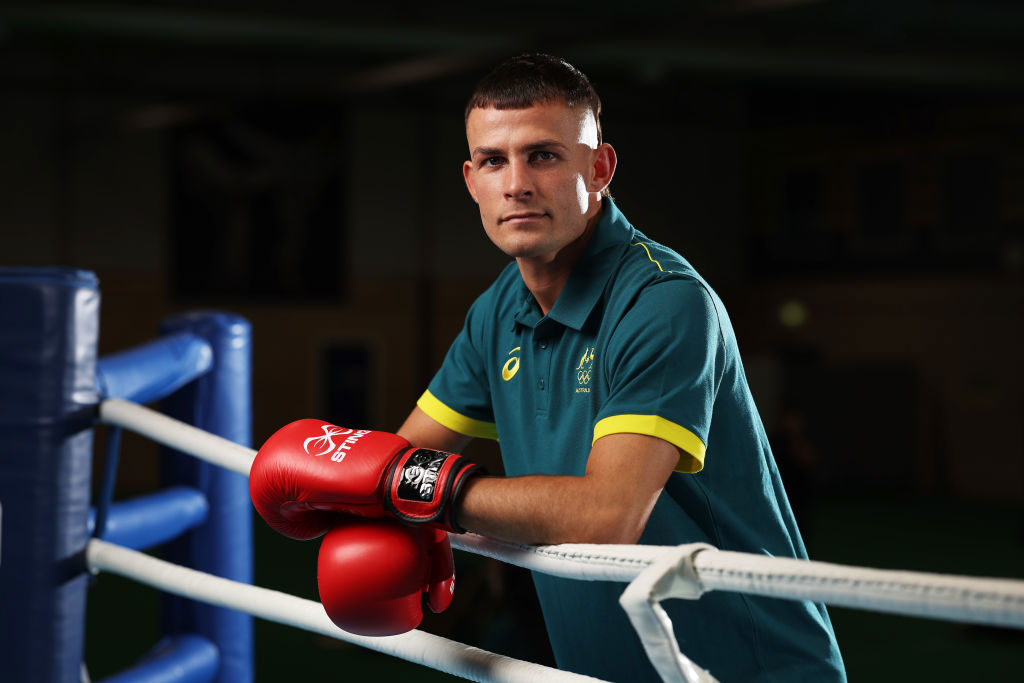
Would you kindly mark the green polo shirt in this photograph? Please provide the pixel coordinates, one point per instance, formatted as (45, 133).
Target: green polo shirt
(637, 342)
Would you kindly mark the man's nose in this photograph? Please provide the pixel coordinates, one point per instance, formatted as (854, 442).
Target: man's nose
(519, 181)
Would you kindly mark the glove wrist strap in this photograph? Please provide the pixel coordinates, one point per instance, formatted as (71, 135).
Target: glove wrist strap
(423, 484)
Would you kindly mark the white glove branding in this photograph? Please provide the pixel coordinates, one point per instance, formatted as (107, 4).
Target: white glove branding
(324, 443)
(419, 476)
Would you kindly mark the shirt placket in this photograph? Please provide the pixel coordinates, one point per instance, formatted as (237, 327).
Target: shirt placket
(542, 348)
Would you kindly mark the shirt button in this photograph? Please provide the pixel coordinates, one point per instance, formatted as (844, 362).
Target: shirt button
(540, 384)
(543, 345)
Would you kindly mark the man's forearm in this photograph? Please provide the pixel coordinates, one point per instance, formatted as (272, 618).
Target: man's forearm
(610, 503)
(540, 509)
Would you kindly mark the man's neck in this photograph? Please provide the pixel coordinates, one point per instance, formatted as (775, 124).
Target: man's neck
(546, 278)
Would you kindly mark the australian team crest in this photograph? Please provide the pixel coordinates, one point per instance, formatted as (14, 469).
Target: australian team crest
(585, 371)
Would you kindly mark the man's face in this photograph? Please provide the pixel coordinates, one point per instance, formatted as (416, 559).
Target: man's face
(536, 174)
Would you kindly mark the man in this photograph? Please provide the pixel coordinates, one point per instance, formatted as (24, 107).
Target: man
(609, 372)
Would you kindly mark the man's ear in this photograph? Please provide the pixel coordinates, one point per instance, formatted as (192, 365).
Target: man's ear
(604, 167)
(467, 175)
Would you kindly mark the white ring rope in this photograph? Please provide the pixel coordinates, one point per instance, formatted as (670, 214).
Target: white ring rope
(177, 434)
(997, 602)
(415, 646)
(583, 561)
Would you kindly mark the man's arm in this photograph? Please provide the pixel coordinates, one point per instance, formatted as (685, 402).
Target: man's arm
(423, 431)
(610, 503)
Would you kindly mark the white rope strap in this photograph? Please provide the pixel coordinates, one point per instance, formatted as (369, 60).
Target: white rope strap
(671, 576)
(415, 646)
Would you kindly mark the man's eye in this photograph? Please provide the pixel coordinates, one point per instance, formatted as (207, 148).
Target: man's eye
(541, 155)
(492, 161)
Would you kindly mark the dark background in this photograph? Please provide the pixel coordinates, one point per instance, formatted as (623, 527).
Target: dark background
(848, 175)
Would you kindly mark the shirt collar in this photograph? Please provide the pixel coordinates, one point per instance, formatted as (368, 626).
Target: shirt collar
(589, 276)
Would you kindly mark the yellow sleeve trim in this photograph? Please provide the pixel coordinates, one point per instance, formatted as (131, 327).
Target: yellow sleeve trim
(692, 458)
(458, 422)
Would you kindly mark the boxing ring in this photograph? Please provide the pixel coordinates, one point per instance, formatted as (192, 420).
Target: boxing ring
(53, 390)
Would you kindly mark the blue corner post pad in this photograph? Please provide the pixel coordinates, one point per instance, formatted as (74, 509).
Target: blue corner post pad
(154, 370)
(185, 658)
(219, 402)
(146, 521)
(48, 344)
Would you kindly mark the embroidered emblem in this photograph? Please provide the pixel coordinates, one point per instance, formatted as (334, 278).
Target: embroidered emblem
(584, 370)
(511, 366)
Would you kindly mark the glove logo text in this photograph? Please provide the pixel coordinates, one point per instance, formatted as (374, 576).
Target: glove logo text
(324, 443)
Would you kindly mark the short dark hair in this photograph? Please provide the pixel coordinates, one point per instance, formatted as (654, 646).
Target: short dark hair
(535, 78)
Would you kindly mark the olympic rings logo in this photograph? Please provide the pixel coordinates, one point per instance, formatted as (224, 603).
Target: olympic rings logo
(585, 367)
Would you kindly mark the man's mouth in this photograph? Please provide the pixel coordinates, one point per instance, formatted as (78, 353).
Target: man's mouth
(522, 217)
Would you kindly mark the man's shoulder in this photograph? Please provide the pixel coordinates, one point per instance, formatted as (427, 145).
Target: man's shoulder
(654, 277)
(649, 268)
(656, 260)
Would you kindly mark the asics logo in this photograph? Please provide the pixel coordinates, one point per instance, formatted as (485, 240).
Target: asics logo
(324, 443)
(511, 366)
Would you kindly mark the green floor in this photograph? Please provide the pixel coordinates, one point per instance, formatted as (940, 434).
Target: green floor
(897, 533)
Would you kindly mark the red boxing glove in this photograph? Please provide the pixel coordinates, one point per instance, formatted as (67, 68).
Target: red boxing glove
(309, 470)
(375, 575)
